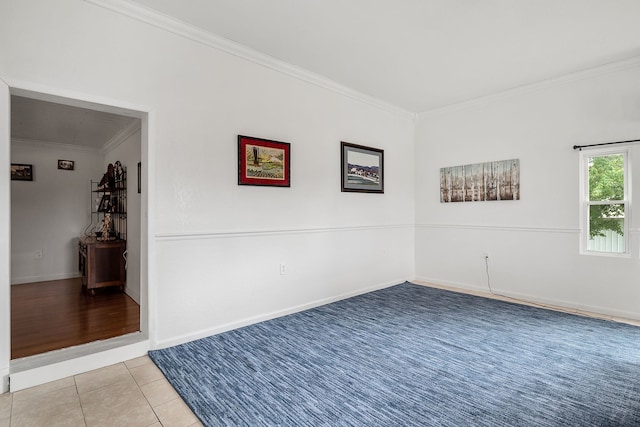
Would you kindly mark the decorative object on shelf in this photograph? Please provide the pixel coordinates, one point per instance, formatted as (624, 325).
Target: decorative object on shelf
(105, 231)
(263, 162)
(499, 180)
(118, 171)
(362, 168)
(67, 165)
(109, 201)
(108, 179)
(21, 172)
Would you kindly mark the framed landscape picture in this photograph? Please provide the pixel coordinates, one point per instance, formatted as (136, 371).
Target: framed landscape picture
(67, 165)
(263, 162)
(362, 168)
(21, 172)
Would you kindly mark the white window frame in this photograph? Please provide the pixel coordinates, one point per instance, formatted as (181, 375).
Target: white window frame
(585, 203)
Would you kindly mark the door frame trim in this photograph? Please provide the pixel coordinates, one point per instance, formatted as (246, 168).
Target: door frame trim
(28, 372)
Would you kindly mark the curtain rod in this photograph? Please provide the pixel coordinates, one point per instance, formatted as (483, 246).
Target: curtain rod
(580, 147)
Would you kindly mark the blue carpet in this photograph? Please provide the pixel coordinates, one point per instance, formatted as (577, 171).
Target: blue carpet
(410, 355)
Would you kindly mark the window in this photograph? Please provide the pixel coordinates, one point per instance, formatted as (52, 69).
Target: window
(605, 215)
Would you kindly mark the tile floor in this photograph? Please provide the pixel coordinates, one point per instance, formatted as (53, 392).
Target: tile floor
(131, 394)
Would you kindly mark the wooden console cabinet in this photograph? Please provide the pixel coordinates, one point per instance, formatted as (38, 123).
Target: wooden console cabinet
(102, 263)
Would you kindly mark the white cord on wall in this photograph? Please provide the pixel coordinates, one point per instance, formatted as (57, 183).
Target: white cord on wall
(486, 263)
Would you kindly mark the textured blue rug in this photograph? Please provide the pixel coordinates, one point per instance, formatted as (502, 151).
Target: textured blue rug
(413, 356)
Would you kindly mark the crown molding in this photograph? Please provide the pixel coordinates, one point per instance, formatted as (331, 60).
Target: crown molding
(537, 86)
(40, 144)
(180, 28)
(121, 137)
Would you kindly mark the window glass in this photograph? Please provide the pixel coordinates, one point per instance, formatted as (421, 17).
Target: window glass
(606, 203)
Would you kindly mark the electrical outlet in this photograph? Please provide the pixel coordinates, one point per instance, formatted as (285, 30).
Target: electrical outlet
(38, 254)
(283, 268)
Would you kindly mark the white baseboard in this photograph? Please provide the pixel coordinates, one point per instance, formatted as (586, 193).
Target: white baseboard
(133, 294)
(268, 316)
(552, 303)
(4, 381)
(44, 278)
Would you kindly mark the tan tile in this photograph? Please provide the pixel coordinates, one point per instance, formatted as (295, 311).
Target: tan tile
(175, 413)
(118, 404)
(57, 408)
(197, 424)
(6, 400)
(5, 422)
(159, 392)
(39, 390)
(138, 361)
(102, 377)
(146, 373)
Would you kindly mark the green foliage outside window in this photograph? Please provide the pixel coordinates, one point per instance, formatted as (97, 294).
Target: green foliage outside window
(606, 183)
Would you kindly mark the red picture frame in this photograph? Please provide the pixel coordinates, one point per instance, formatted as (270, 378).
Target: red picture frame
(263, 162)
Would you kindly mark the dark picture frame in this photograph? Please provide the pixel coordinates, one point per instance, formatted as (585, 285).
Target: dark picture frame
(21, 172)
(263, 162)
(67, 165)
(139, 177)
(105, 203)
(362, 168)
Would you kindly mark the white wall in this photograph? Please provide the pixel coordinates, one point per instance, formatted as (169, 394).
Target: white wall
(218, 245)
(534, 242)
(49, 213)
(5, 243)
(128, 153)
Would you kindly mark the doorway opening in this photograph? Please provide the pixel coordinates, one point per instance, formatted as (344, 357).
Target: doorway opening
(66, 144)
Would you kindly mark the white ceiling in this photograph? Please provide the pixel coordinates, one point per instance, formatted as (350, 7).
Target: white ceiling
(50, 122)
(417, 55)
(424, 54)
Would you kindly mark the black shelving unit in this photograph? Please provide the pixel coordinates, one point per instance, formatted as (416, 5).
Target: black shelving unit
(110, 199)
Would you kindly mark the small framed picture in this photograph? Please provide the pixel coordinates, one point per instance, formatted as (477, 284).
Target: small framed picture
(139, 177)
(21, 172)
(67, 165)
(263, 162)
(362, 168)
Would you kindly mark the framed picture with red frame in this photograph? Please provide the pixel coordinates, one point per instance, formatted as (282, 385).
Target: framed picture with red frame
(263, 162)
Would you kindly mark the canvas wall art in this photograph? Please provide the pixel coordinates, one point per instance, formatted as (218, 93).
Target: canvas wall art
(498, 180)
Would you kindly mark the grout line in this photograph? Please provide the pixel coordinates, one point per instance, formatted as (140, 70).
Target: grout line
(141, 392)
(84, 416)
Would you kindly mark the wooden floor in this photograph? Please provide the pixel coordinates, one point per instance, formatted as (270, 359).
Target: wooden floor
(52, 315)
